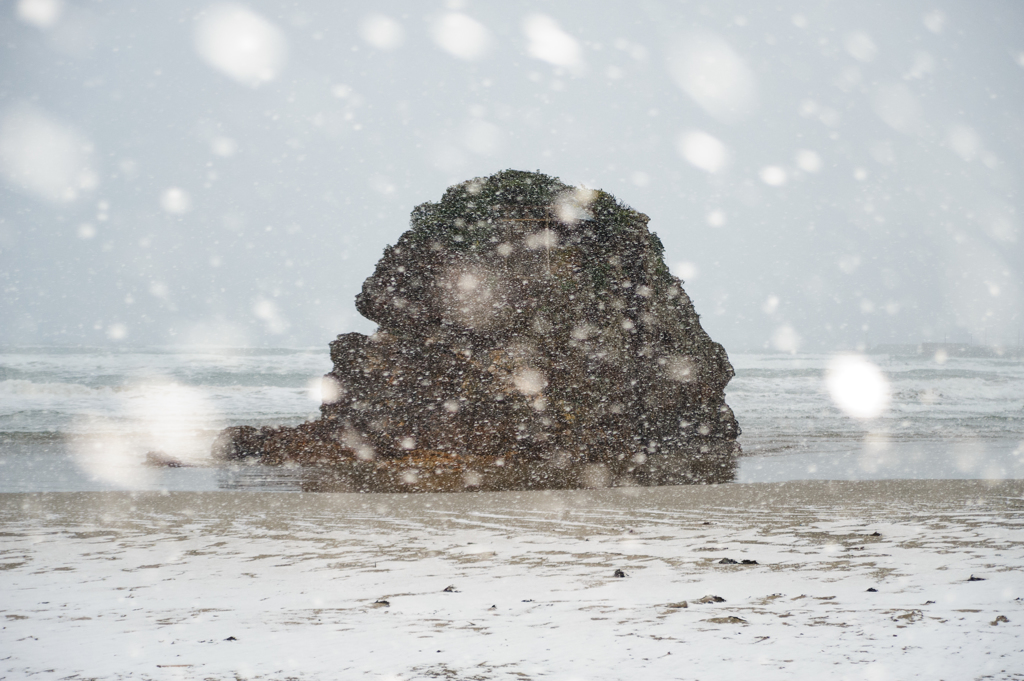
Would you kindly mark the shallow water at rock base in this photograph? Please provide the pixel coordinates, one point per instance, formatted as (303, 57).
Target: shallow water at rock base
(56, 466)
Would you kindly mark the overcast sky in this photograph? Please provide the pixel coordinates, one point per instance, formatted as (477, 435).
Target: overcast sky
(823, 175)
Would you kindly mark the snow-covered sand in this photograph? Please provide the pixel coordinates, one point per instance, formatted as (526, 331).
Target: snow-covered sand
(226, 585)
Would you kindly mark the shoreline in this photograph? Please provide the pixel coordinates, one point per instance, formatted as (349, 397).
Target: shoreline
(685, 496)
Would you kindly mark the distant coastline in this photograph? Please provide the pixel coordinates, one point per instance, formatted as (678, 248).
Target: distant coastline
(946, 350)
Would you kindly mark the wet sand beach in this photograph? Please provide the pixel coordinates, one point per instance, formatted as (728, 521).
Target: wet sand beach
(517, 585)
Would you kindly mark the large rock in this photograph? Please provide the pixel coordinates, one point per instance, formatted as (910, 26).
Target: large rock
(530, 336)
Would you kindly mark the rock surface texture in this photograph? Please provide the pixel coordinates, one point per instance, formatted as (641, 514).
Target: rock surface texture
(530, 336)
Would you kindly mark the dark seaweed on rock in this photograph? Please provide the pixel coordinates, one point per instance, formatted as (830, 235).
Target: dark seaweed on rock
(530, 336)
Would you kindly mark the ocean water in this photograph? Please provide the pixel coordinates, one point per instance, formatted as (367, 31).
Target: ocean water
(84, 419)
(959, 418)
